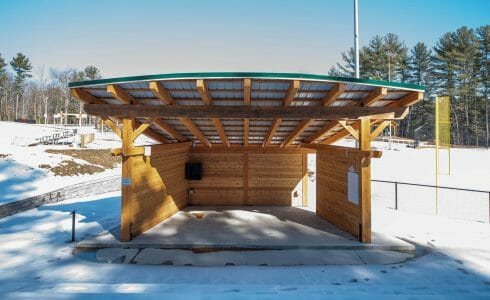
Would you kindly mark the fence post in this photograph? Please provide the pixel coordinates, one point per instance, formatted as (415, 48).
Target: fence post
(396, 195)
(73, 226)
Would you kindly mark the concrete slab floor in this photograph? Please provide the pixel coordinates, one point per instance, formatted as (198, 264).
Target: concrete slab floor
(246, 227)
(290, 257)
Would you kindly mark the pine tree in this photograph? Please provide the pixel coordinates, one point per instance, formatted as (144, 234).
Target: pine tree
(22, 68)
(91, 72)
(419, 72)
(483, 34)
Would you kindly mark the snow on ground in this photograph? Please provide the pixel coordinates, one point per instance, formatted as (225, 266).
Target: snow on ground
(20, 175)
(36, 261)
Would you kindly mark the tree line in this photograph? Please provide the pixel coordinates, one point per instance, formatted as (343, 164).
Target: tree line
(21, 98)
(457, 66)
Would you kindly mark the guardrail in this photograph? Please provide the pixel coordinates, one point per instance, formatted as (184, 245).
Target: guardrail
(441, 202)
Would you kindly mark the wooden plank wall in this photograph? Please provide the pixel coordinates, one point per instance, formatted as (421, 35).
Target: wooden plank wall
(159, 188)
(247, 176)
(331, 190)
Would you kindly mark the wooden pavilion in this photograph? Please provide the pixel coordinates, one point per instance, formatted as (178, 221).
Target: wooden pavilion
(242, 139)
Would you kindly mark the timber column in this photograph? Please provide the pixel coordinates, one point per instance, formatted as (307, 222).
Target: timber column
(126, 180)
(365, 182)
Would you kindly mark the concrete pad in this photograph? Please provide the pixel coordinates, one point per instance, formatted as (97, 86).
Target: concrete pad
(151, 256)
(231, 230)
(302, 257)
(115, 255)
(381, 257)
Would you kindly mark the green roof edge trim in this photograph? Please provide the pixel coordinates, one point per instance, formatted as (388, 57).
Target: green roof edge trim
(204, 75)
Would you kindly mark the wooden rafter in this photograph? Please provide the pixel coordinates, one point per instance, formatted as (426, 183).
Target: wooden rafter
(142, 127)
(375, 95)
(343, 150)
(323, 131)
(113, 126)
(161, 93)
(293, 89)
(85, 96)
(170, 130)
(408, 100)
(341, 134)
(195, 131)
(152, 134)
(376, 132)
(272, 131)
(349, 128)
(241, 112)
(221, 131)
(203, 91)
(120, 94)
(297, 131)
(333, 94)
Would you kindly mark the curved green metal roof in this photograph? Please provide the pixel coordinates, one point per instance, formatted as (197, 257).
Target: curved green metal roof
(252, 75)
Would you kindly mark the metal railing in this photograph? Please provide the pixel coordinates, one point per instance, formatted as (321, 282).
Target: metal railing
(442, 199)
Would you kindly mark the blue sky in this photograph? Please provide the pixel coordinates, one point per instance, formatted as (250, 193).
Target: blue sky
(124, 37)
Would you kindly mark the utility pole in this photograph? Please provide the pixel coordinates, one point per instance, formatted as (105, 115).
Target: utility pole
(356, 37)
(390, 55)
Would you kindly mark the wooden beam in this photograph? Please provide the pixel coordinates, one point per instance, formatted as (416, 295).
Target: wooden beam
(272, 131)
(134, 151)
(161, 92)
(374, 95)
(221, 131)
(203, 90)
(152, 134)
(349, 128)
(170, 130)
(247, 91)
(246, 125)
(195, 131)
(297, 131)
(347, 151)
(120, 94)
(341, 134)
(408, 100)
(376, 132)
(304, 180)
(293, 89)
(323, 131)
(127, 179)
(241, 112)
(113, 126)
(85, 96)
(365, 182)
(141, 128)
(332, 95)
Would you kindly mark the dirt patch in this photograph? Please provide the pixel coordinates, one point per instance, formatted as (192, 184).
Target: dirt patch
(100, 157)
(70, 168)
(4, 155)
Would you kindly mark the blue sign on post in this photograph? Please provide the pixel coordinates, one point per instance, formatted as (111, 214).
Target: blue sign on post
(126, 181)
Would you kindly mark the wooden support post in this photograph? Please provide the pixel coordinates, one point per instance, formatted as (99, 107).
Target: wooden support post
(304, 182)
(126, 180)
(365, 182)
(245, 178)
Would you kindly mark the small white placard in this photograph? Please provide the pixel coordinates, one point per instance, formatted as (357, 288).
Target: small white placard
(147, 151)
(352, 186)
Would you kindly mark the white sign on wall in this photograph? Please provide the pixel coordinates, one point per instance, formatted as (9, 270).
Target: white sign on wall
(147, 151)
(353, 186)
